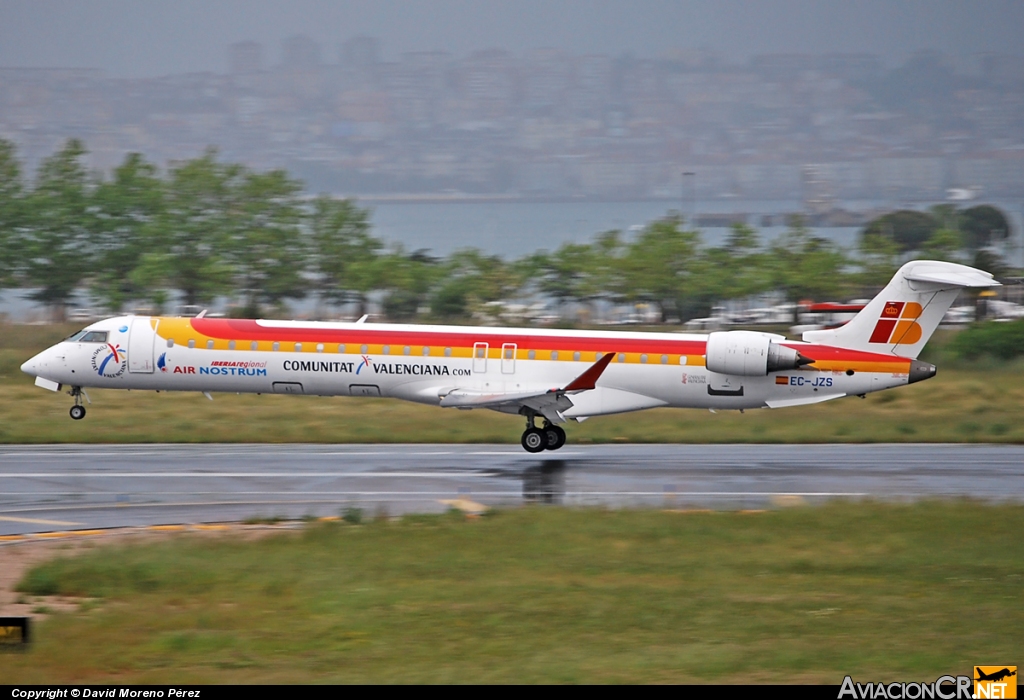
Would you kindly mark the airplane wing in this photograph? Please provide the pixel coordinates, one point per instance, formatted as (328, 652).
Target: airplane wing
(550, 403)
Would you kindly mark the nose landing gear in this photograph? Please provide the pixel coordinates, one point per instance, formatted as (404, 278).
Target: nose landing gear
(77, 411)
(534, 440)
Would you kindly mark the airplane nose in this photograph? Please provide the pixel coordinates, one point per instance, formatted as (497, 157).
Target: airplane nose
(30, 367)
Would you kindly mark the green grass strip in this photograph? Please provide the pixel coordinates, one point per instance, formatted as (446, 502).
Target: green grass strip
(880, 591)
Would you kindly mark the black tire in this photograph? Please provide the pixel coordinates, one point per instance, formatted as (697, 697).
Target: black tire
(534, 440)
(555, 436)
(77, 412)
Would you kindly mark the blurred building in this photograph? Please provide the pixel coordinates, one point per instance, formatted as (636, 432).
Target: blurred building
(551, 124)
(245, 58)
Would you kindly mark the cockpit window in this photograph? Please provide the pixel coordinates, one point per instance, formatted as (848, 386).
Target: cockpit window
(94, 337)
(75, 336)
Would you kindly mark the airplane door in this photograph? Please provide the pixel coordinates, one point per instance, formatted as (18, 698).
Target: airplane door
(508, 358)
(479, 358)
(141, 340)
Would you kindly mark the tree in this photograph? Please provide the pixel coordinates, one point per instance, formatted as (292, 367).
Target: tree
(662, 266)
(12, 211)
(907, 228)
(983, 225)
(127, 211)
(407, 281)
(264, 246)
(200, 211)
(582, 272)
(344, 253)
(944, 244)
(469, 281)
(55, 243)
(805, 266)
(735, 270)
(879, 260)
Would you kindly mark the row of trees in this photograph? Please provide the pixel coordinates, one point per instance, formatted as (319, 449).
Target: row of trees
(209, 229)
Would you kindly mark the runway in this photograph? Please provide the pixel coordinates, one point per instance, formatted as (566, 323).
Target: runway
(45, 488)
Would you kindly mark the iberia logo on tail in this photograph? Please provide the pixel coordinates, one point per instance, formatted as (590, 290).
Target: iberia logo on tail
(898, 324)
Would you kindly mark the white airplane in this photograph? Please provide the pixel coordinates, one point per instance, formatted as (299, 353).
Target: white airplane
(550, 376)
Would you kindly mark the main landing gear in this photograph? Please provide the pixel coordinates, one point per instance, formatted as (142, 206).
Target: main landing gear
(534, 440)
(78, 410)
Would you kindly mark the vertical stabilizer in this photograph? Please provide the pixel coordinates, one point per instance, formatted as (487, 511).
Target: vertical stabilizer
(904, 315)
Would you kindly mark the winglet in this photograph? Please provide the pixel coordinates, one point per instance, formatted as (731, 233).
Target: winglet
(588, 379)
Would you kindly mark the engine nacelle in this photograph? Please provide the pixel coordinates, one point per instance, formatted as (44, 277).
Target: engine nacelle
(749, 354)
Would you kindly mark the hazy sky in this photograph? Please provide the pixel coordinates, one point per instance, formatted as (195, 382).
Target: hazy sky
(156, 37)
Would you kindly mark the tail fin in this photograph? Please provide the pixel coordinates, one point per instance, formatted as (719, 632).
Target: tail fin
(904, 315)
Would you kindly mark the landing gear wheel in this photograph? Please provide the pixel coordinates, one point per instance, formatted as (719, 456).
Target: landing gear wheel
(77, 412)
(555, 437)
(534, 440)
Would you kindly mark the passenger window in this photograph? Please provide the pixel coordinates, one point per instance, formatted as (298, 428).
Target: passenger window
(426, 351)
(622, 357)
(532, 354)
(664, 359)
(576, 356)
(170, 342)
(363, 349)
(231, 345)
(643, 359)
(298, 347)
(447, 352)
(682, 359)
(386, 350)
(254, 345)
(319, 347)
(209, 345)
(341, 348)
(191, 342)
(554, 354)
(406, 350)
(94, 337)
(276, 346)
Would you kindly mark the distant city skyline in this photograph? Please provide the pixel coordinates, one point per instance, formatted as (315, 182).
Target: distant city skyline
(124, 38)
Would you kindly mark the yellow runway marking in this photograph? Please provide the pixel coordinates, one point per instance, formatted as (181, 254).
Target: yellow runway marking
(466, 506)
(35, 521)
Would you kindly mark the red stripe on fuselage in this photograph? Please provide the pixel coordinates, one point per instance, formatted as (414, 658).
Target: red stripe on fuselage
(827, 353)
(233, 329)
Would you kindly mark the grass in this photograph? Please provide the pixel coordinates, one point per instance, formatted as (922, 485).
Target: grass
(981, 402)
(882, 592)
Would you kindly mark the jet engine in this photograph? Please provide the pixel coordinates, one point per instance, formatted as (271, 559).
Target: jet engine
(750, 354)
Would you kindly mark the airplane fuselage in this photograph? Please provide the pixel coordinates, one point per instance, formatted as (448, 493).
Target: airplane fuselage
(425, 363)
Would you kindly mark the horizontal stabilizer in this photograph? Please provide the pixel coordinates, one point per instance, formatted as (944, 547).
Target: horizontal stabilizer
(949, 275)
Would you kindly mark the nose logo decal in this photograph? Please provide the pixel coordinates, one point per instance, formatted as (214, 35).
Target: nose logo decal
(110, 360)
